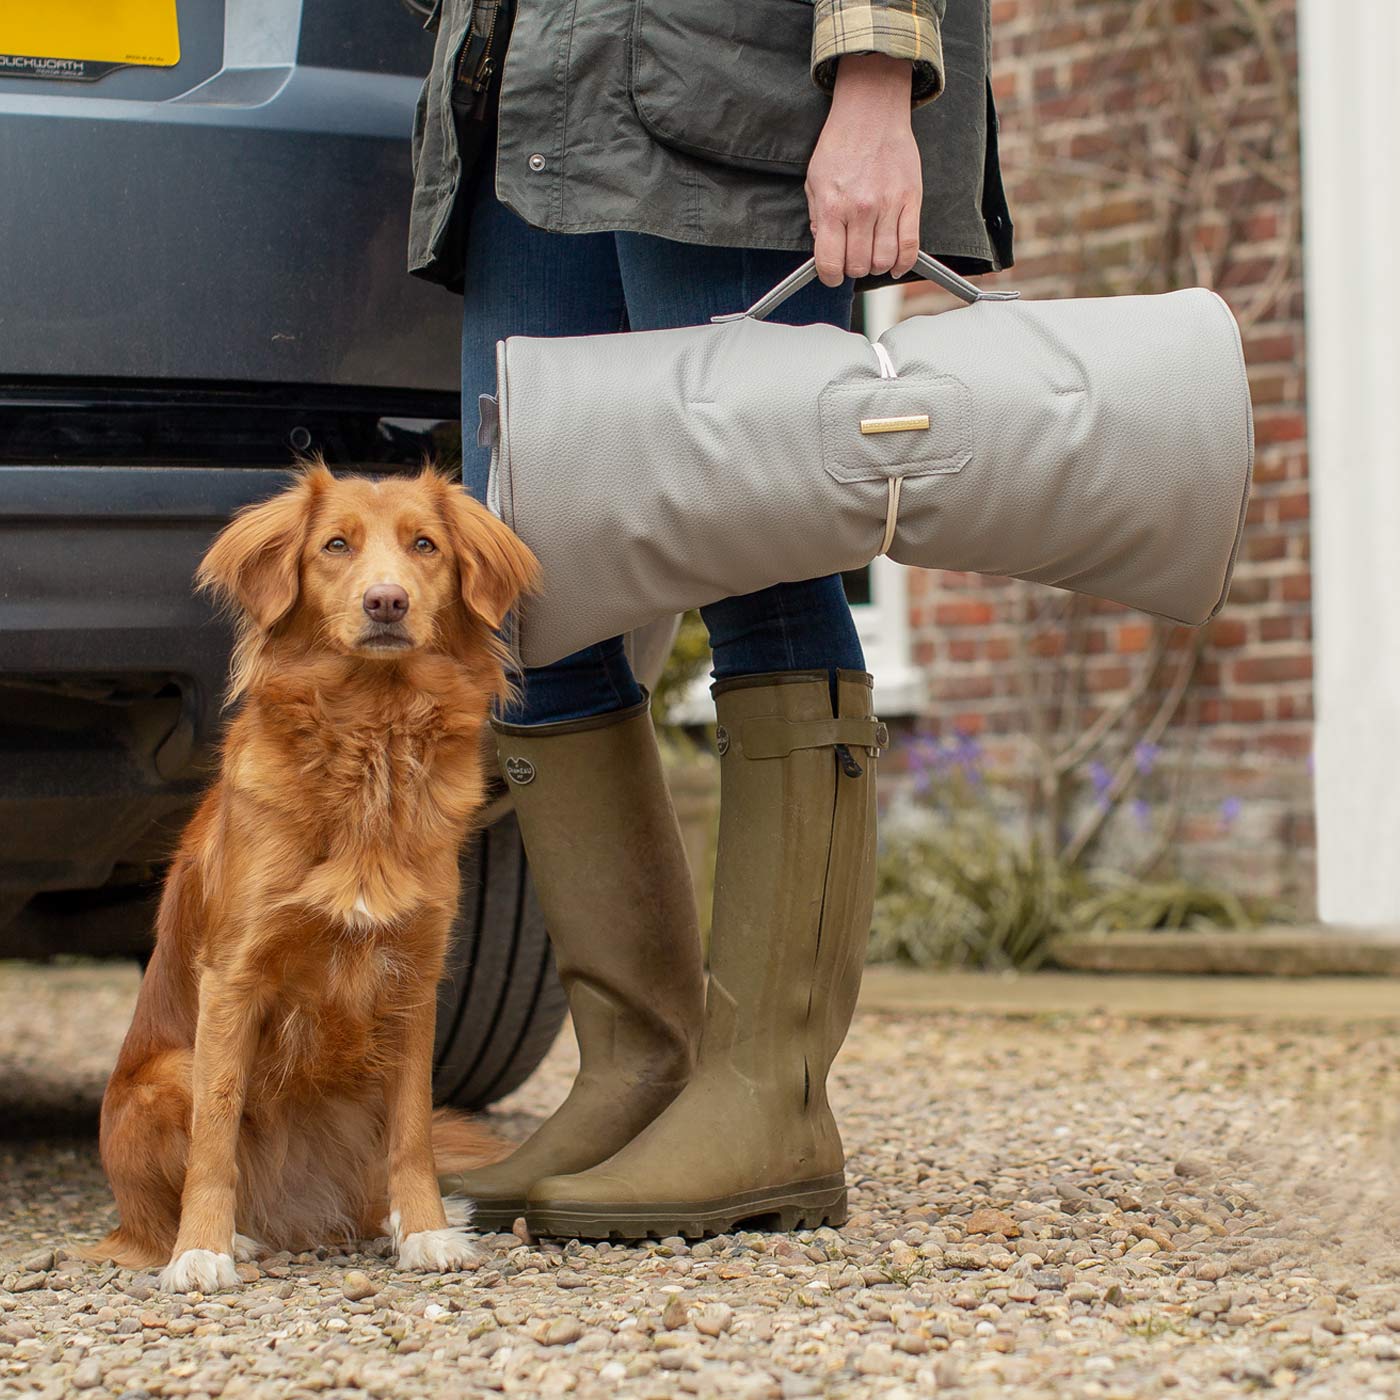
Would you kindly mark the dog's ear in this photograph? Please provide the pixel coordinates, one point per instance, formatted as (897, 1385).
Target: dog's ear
(494, 565)
(254, 562)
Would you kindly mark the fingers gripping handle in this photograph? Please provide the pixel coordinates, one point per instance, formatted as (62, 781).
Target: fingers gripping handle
(924, 265)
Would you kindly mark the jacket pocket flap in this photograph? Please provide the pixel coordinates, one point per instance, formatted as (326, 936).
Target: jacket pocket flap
(729, 83)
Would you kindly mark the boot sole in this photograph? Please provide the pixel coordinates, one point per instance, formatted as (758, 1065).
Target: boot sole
(496, 1217)
(802, 1205)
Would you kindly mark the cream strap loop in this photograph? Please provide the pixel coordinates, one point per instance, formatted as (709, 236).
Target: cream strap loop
(891, 515)
(887, 371)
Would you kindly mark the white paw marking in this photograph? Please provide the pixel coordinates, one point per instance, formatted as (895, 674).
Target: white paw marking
(438, 1251)
(198, 1271)
(245, 1250)
(428, 1250)
(391, 1228)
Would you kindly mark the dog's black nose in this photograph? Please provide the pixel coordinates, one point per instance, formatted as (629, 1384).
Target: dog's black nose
(386, 602)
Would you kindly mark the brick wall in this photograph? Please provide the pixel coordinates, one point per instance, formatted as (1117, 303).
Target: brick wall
(1149, 144)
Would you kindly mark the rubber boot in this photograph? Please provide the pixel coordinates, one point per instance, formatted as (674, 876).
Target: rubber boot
(751, 1140)
(610, 870)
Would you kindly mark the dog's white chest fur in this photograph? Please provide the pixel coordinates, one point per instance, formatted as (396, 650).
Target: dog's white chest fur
(361, 918)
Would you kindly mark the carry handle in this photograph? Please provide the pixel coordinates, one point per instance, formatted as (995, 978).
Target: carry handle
(924, 265)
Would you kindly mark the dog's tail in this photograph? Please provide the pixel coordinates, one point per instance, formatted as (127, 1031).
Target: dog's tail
(461, 1143)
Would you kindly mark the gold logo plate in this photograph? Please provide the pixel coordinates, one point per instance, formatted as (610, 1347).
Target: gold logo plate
(913, 424)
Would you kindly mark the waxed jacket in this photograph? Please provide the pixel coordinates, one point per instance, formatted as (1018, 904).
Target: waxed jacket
(695, 122)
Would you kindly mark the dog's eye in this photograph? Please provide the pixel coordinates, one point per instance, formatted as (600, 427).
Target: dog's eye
(336, 545)
(424, 545)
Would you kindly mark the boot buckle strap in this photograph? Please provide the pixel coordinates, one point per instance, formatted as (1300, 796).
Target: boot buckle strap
(771, 737)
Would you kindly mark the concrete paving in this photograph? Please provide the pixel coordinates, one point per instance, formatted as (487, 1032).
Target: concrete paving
(1323, 1000)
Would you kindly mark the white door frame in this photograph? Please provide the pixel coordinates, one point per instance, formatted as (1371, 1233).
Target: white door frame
(1349, 52)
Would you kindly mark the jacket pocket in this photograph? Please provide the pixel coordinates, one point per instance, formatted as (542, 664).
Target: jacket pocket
(728, 80)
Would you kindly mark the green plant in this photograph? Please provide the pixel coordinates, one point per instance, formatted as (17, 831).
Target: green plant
(964, 894)
(690, 656)
(956, 886)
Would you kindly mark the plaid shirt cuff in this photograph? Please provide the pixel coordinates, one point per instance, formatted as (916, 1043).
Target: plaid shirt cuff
(899, 28)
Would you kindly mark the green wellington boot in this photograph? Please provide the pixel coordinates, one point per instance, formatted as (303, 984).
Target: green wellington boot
(610, 870)
(751, 1138)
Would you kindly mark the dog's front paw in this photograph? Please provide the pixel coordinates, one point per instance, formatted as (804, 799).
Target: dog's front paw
(438, 1251)
(198, 1271)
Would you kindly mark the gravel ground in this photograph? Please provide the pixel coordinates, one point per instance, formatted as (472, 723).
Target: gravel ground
(1083, 1206)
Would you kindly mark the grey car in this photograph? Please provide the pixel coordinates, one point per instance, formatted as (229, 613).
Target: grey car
(202, 229)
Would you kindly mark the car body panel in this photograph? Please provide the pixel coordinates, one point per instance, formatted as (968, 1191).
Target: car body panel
(240, 216)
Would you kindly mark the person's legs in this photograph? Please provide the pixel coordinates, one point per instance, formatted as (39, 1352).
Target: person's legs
(751, 1137)
(580, 757)
(791, 626)
(523, 281)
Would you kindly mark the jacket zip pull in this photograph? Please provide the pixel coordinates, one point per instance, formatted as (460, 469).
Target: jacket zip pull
(482, 88)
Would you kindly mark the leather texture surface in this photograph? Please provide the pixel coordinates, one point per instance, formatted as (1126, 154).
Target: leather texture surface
(1104, 446)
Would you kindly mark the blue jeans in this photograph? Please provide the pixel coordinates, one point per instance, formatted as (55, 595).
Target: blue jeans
(524, 281)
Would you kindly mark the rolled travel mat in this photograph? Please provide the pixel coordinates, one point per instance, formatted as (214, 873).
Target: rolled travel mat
(1101, 445)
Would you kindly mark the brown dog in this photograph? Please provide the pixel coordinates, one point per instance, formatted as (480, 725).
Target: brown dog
(275, 1082)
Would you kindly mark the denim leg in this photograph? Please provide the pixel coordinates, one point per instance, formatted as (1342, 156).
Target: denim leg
(524, 281)
(791, 626)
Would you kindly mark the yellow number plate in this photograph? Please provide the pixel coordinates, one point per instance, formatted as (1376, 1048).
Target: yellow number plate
(145, 33)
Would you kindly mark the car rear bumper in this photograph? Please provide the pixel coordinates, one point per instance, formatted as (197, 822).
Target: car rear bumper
(111, 670)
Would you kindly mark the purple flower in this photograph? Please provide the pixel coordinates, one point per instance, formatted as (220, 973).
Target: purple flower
(1142, 810)
(966, 754)
(1101, 778)
(1230, 812)
(1145, 756)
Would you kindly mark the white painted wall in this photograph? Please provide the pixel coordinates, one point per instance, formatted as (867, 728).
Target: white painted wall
(1350, 55)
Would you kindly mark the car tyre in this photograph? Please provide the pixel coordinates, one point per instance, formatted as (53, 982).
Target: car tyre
(500, 1003)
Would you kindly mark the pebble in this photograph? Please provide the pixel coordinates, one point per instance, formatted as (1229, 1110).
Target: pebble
(993, 1222)
(557, 1332)
(1084, 1209)
(714, 1320)
(356, 1285)
(1191, 1166)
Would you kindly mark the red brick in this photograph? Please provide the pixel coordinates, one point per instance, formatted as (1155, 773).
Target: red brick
(1228, 632)
(1101, 678)
(1271, 670)
(1133, 637)
(1078, 95)
(1258, 546)
(964, 613)
(1280, 427)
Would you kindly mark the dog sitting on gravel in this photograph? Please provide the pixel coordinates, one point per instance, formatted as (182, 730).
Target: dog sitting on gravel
(274, 1089)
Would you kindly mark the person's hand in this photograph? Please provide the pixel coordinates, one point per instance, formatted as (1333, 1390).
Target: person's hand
(865, 179)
